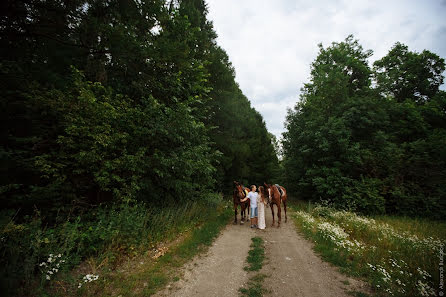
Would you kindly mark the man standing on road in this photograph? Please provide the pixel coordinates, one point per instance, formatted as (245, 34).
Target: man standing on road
(253, 195)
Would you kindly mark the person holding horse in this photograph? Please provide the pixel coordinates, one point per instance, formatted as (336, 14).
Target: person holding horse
(253, 196)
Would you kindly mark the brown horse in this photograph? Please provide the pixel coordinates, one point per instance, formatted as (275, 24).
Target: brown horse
(240, 192)
(275, 197)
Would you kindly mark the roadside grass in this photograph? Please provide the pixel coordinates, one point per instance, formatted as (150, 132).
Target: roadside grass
(397, 256)
(108, 249)
(421, 227)
(256, 256)
(150, 276)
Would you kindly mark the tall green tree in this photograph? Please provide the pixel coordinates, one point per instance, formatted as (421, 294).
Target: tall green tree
(361, 147)
(403, 74)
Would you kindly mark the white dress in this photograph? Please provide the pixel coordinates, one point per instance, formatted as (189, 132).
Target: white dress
(261, 210)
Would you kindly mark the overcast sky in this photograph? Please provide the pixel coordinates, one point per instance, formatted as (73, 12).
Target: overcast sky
(271, 43)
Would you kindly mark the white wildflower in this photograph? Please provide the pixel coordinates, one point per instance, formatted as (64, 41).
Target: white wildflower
(89, 278)
(424, 274)
(52, 265)
(425, 289)
(383, 271)
(389, 291)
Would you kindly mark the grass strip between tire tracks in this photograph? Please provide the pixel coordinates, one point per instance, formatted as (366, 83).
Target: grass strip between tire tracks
(255, 259)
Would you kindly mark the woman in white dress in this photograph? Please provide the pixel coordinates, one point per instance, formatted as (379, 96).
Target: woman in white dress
(261, 203)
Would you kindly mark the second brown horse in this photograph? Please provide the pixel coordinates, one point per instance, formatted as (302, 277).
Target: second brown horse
(240, 192)
(276, 195)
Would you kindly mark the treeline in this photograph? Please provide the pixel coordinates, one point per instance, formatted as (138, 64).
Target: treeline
(120, 101)
(370, 139)
(120, 121)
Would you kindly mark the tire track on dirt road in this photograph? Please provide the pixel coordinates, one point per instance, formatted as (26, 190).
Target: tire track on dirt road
(220, 271)
(294, 269)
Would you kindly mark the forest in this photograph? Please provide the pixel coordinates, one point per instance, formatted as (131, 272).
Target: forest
(112, 107)
(370, 139)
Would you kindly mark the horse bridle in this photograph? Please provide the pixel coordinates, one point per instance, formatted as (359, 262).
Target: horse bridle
(242, 191)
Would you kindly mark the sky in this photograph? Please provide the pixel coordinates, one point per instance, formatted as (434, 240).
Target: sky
(271, 43)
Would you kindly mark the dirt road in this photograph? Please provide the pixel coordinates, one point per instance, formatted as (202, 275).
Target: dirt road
(293, 269)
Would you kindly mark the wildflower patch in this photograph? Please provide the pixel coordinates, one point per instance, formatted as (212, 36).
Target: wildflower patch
(51, 266)
(396, 262)
(88, 278)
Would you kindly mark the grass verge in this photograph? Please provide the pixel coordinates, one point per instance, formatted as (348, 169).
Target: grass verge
(124, 249)
(256, 256)
(397, 256)
(149, 276)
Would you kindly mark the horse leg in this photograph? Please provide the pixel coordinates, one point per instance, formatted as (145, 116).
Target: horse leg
(242, 213)
(272, 212)
(279, 214)
(284, 207)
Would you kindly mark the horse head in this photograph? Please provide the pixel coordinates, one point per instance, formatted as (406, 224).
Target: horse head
(240, 193)
(269, 190)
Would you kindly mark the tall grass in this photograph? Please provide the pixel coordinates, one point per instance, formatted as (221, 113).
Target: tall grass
(145, 278)
(399, 256)
(104, 232)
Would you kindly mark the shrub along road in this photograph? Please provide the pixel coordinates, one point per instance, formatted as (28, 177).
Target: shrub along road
(292, 267)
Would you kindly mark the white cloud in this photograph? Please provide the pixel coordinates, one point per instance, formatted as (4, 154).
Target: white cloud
(272, 43)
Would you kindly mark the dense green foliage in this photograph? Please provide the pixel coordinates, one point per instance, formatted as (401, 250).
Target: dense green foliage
(115, 103)
(121, 101)
(370, 140)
